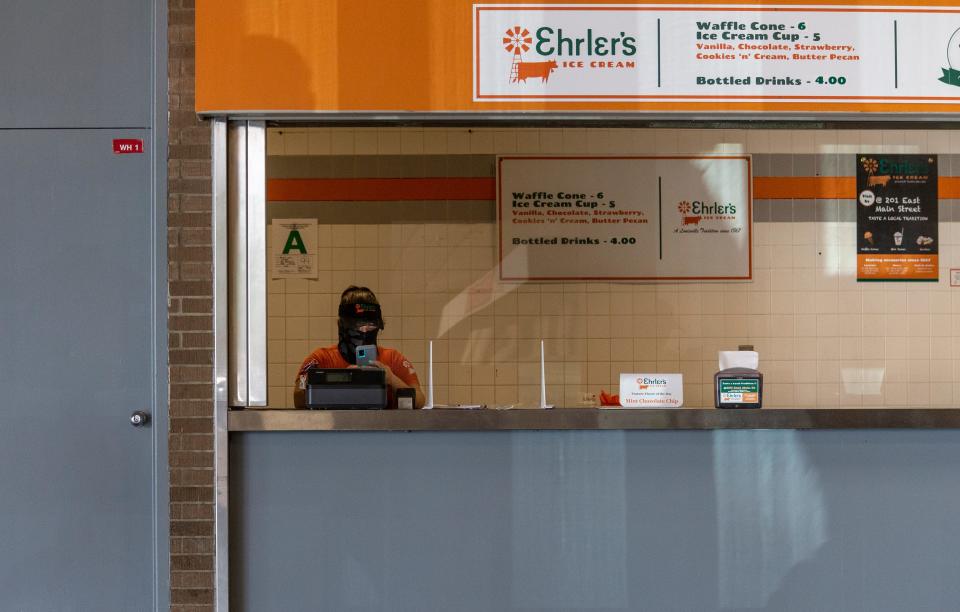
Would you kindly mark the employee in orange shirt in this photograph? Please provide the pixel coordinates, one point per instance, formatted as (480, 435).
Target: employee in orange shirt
(359, 322)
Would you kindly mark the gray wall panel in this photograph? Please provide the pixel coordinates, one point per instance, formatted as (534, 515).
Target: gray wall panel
(75, 64)
(727, 520)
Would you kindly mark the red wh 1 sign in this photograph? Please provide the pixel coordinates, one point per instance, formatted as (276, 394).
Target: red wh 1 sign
(123, 146)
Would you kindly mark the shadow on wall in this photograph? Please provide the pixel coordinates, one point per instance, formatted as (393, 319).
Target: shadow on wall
(278, 67)
(598, 523)
(771, 514)
(811, 520)
(268, 69)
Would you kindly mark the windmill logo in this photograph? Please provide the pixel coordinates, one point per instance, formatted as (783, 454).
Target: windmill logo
(871, 166)
(684, 209)
(517, 41)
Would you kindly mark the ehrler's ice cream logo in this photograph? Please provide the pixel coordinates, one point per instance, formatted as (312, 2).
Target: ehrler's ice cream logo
(558, 49)
(517, 41)
(870, 165)
(692, 213)
(951, 74)
(644, 383)
(880, 171)
(684, 208)
(695, 214)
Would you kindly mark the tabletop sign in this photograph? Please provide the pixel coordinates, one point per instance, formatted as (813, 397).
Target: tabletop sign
(624, 218)
(651, 390)
(126, 146)
(735, 391)
(897, 233)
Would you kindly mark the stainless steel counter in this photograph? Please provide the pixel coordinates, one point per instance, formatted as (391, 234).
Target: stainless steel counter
(592, 418)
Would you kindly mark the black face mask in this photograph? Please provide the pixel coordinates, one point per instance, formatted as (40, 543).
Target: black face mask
(351, 338)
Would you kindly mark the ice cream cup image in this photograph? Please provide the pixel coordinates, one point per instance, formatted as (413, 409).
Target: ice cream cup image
(898, 238)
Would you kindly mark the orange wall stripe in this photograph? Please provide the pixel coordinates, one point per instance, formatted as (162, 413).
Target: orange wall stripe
(484, 188)
(803, 187)
(948, 187)
(828, 187)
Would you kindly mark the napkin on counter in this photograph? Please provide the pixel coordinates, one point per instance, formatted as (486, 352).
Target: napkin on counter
(609, 399)
(739, 359)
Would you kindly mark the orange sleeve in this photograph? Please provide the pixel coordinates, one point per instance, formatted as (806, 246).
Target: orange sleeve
(403, 369)
(317, 358)
(309, 362)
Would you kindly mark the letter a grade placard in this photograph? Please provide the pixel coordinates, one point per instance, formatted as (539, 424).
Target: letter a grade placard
(624, 218)
(293, 250)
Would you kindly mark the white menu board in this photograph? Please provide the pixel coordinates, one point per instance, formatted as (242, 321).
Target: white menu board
(624, 218)
(807, 55)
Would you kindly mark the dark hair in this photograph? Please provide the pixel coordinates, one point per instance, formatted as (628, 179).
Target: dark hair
(359, 295)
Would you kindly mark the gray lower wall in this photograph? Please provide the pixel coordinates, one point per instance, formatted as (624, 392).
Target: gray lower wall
(596, 520)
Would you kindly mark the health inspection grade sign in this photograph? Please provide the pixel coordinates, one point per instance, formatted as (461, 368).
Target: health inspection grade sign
(820, 53)
(624, 218)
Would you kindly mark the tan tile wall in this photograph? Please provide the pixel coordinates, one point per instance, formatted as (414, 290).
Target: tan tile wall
(824, 339)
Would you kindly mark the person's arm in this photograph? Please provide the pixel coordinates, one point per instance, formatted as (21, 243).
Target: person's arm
(395, 382)
(299, 392)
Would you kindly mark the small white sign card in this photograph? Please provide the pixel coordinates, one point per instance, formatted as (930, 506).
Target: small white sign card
(294, 249)
(651, 390)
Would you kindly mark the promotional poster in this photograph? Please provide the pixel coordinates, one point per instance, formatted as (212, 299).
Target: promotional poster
(897, 238)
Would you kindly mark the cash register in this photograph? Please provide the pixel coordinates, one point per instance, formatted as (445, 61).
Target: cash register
(346, 389)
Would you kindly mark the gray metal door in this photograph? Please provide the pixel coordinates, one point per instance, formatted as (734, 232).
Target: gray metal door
(76, 479)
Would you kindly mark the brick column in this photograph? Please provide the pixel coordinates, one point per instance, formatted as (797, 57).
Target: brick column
(190, 320)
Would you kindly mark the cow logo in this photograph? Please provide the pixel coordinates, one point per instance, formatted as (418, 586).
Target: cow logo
(684, 209)
(517, 40)
(951, 74)
(707, 217)
(871, 167)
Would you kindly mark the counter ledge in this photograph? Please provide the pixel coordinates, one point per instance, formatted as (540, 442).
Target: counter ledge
(593, 419)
